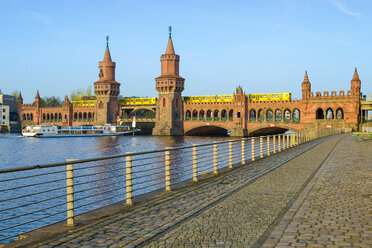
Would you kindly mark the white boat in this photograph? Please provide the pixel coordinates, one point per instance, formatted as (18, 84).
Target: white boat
(50, 131)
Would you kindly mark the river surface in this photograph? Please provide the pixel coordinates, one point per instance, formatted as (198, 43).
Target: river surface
(34, 198)
(17, 151)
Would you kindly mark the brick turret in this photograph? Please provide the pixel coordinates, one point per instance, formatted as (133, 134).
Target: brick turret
(106, 90)
(306, 87)
(355, 84)
(19, 101)
(169, 107)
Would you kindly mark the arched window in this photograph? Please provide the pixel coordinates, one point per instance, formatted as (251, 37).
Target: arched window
(238, 115)
(163, 102)
(24, 117)
(278, 115)
(339, 114)
(60, 116)
(65, 117)
(201, 115)
(296, 115)
(319, 114)
(252, 115)
(47, 117)
(51, 116)
(84, 116)
(100, 105)
(44, 117)
(216, 115)
(269, 115)
(329, 114)
(188, 115)
(55, 116)
(261, 115)
(28, 116)
(80, 116)
(89, 116)
(287, 115)
(209, 115)
(31, 117)
(195, 115)
(231, 115)
(224, 115)
(75, 116)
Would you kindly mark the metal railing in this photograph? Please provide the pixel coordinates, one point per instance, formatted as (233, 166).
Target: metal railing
(35, 196)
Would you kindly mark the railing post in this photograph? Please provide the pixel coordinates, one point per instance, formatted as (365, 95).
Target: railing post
(128, 175)
(261, 147)
(283, 141)
(268, 145)
(252, 144)
(195, 163)
(70, 193)
(215, 161)
(274, 144)
(279, 144)
(167, 170)
(288, 140)
(230, 155)
(243, 151)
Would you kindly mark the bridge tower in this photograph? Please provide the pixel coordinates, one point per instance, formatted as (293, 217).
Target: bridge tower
(169, 107)
(355, 84)
(106, 90)
(306, 87)
(240, 114)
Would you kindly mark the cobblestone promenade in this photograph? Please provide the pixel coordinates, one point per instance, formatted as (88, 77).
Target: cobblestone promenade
(241, 209)
(335, 209)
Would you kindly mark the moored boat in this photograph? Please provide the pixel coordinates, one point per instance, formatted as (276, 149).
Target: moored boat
(50, 131)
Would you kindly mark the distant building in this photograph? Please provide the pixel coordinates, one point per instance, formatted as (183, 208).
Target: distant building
(9, 120)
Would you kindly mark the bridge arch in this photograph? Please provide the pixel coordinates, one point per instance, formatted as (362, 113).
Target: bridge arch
(329, 114)
(203, 129)
(339, 114)
(252, 115)
(269, 130)
(278, 115)
(269, 115)
(296, 115)
(319, 114)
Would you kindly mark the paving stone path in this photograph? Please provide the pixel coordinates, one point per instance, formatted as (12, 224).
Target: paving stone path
(241, 219)
(335, 209)
(146, 222)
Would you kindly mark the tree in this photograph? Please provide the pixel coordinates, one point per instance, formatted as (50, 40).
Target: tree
(81, 94)
(50, 101)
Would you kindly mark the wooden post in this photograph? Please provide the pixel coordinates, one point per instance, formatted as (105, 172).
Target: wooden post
(70, 193)
(274, 144)
(243, 151)
(230, 155)
(215, 160)
(167, 170)
(252, 144)
(195, 163)
(128, 175)
(261, 147)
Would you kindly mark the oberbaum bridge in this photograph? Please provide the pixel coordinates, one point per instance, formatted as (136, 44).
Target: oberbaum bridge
(309, 187)
(239, 114)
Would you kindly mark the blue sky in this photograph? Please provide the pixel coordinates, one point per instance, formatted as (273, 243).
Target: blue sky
(265, 46)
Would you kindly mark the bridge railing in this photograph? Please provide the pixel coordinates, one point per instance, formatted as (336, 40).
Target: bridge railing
(35, 196)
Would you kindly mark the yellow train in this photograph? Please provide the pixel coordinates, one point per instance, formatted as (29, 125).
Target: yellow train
(270, 97)
(138, 101)
(84, 103)
(229, 98)
(212, 98)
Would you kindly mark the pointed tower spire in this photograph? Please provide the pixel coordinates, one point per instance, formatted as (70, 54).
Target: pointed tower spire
(170, 48)
(356, 76)
(306, 78)
(37, 94)
(20, 95)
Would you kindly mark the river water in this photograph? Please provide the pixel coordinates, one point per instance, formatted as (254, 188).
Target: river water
(16, 151)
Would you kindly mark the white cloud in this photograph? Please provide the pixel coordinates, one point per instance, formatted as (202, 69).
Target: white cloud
(341, 7)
